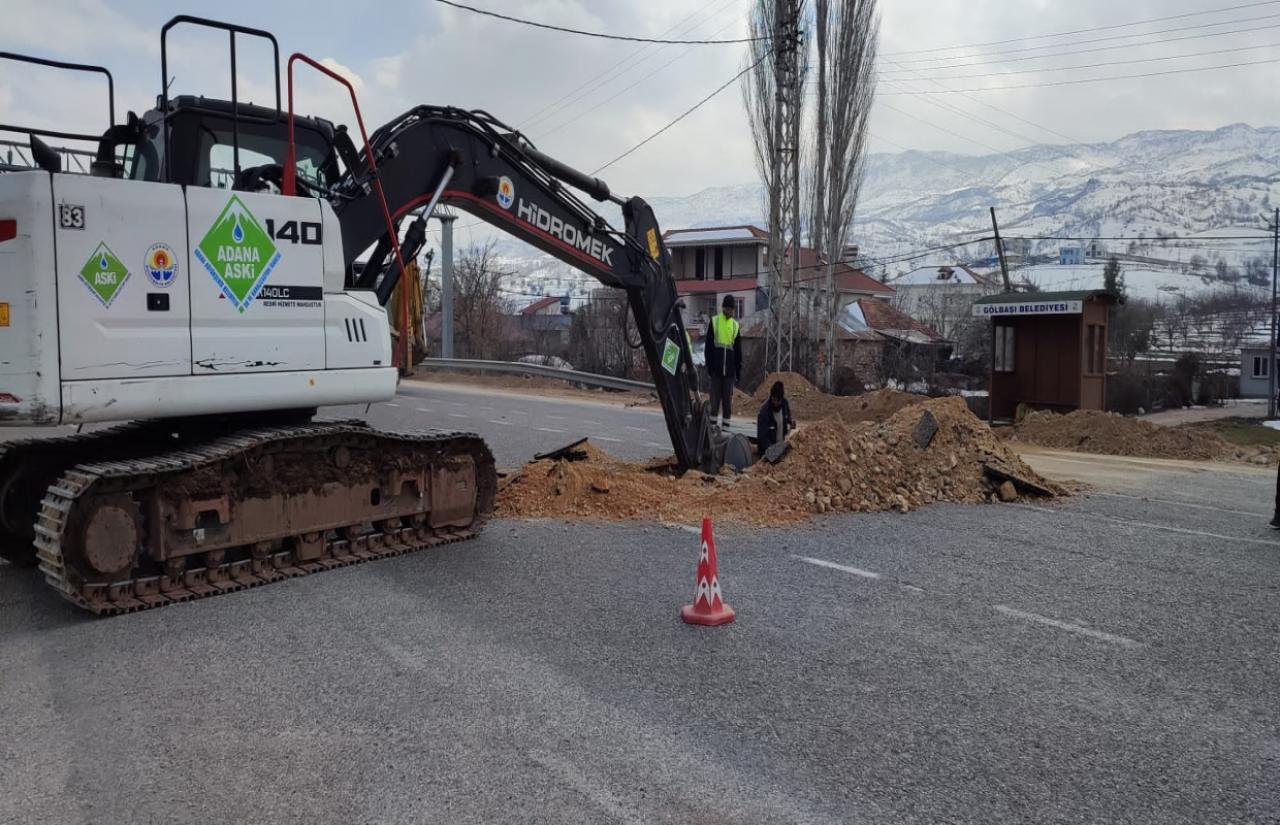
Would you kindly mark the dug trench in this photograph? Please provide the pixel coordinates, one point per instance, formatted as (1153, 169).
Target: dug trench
(891, 452)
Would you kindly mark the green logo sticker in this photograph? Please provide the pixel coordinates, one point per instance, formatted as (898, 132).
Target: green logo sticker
(238, 253)
(104, 274)
(670, 356)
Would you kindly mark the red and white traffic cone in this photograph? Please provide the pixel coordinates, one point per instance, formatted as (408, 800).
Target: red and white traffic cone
(708, 606)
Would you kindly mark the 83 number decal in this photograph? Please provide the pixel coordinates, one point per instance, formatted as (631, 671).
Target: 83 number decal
(70, 216)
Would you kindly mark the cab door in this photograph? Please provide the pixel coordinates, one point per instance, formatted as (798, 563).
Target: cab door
(257, 295)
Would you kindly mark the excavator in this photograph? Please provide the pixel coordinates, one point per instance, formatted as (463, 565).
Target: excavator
(222, 274)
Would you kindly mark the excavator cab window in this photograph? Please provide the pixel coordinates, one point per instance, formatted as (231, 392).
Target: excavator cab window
(202, 138)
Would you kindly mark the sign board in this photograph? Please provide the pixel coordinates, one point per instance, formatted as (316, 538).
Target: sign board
(1031, 307)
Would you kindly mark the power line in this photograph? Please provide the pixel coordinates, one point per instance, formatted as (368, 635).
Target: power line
(690, 111)
(1085, 31)
(1073, 52)
(600, 35)
(1093, 79)
(1105, 63)
(620, 92)
(1161, 239)
(1114, 38)
(607, 76)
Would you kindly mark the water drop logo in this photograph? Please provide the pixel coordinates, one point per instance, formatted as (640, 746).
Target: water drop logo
(160, 264)
(104, 275)
(237, 232)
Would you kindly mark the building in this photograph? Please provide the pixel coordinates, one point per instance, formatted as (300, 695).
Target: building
(942, 297)
(1255, 371)
(1072, 255)
(1049, 350)
(545, 323)
(709, 264)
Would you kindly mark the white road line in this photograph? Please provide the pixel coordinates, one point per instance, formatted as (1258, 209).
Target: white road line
(458, 415)
(866, 574)
(605, 438)
(1164, 527)
(389, 404)
(424, 409)
(655, 444)
(549, 415)
(548, 430)
(1183, 504)
(1072, 628)
(503, 423)
(593, 423)
(638, 429)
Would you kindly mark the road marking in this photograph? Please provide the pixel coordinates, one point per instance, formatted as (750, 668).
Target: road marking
(866, 574)
(592, 787)
(593, 423)
(1183, 531)
(1072, 628)
(1184, 504)
(655, 444)
(389, 404)
(639, 429)
(548, 430)
(549, 415)
(458, 415)
(424, 409)
(503, 423)
(606, 438)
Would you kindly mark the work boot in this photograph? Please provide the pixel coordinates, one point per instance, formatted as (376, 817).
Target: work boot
(1275, 522)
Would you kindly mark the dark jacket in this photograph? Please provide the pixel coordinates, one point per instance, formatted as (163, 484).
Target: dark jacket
(767, 426)
(718, 356)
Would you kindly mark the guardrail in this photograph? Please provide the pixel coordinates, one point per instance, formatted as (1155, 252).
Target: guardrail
(588, 379)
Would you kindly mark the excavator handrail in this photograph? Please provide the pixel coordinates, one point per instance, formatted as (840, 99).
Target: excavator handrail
(74, 67)
(289, 183)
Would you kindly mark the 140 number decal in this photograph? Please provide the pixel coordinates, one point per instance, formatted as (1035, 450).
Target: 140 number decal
(304, 232)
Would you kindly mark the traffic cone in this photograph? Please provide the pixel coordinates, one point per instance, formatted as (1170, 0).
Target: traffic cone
(708, 607)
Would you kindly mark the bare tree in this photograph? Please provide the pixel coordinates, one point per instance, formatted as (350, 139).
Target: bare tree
(478, 303)
(846, 34)
(598, 339)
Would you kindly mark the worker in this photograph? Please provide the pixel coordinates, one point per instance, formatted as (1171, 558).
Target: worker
(774, 420)
(724, 360)
(1275, 519)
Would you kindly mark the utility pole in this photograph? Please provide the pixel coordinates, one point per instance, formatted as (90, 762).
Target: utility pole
(784, 190)
(447, 218)
(1271, 356)
(1004, 265)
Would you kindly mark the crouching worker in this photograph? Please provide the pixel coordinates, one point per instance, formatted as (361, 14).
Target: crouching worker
(774, 420)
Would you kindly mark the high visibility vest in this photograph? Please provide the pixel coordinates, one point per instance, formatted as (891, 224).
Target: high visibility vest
(724, 331)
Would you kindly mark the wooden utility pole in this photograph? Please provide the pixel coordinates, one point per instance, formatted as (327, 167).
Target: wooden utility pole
(1004, 265)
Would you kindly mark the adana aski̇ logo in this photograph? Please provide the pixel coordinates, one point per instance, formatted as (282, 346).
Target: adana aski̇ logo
(238, 253)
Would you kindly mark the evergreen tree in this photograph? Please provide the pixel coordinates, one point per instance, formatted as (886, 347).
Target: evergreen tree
(1113, 278)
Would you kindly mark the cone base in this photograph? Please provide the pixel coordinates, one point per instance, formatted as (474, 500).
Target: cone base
(708, 618)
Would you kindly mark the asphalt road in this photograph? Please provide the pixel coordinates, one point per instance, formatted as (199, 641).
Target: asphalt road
(1113, 659)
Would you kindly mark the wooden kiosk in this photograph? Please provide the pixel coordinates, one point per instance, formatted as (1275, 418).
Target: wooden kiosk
(1049, 350)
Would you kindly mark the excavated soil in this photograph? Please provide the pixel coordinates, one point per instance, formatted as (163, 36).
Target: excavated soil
(1090, 431)
(832, 466)
(808, 403)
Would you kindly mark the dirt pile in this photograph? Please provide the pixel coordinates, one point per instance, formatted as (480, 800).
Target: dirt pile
(808, 403)
(831, 467)
(1090, 431)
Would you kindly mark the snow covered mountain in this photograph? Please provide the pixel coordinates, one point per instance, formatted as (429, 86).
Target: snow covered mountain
(1179, 184)
(1146, 184)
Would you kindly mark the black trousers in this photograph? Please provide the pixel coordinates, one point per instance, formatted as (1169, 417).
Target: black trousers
(721, 396)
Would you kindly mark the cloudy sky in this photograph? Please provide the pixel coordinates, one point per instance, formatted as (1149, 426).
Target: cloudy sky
(588, 100)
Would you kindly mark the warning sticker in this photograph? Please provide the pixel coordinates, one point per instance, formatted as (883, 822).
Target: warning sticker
(670, 357)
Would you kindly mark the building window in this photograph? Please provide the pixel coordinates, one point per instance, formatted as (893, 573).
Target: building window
(1260, 364)
(1096, 355)
(740, 307)
(719, 271)
(700, 264)
(1003, 355)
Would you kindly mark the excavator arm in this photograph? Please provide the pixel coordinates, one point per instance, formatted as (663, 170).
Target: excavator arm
(471, 161)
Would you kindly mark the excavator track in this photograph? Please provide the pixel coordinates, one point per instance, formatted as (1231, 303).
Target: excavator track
(29, 465)
(256, 506)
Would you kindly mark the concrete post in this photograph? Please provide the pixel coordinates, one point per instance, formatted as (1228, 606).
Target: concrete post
(446, 284)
